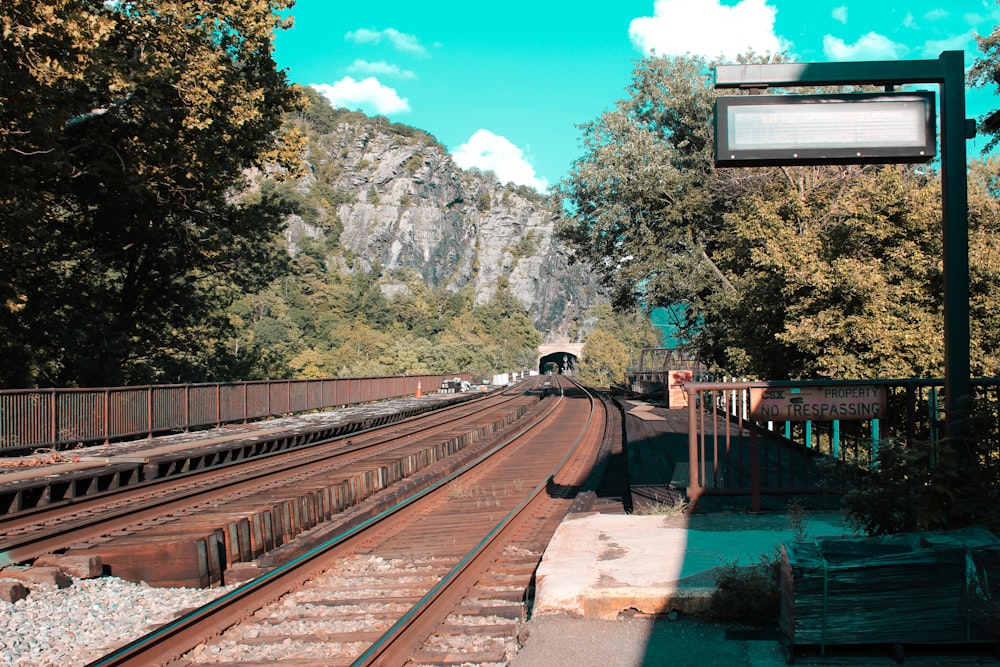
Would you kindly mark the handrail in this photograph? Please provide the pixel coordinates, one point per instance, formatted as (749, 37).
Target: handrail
(60, 418)
(732, 453)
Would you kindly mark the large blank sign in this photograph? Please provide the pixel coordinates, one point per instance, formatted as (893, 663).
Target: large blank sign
(824, 129)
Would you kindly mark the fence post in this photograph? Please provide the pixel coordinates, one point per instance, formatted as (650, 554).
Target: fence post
(754, 471)
(875, 443)
(694, 480)
(53, 417)
(107, 416)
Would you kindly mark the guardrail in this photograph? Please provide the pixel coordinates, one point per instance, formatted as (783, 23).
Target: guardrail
(58, 418)
(735, 449)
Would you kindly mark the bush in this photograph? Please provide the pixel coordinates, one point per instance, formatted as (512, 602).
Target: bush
(748, 594)
(921, 485)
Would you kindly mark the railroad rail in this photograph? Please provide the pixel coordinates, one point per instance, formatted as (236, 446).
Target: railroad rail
(391, 588)
(245, 508)
(98, 469)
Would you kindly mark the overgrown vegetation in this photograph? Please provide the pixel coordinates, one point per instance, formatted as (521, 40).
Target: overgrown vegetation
(922, 485)
(751, 594)
(748, 594)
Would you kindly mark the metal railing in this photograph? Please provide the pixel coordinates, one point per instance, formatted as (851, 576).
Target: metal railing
(58, 418)
(733, 453)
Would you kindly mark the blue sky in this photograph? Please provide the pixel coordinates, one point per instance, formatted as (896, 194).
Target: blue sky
(505, 86)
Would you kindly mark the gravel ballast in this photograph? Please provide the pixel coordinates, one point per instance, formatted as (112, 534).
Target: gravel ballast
(76, 625)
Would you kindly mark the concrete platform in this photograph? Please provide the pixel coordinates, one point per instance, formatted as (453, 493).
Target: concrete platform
(607, 581)
(655, 559)
(602, 565)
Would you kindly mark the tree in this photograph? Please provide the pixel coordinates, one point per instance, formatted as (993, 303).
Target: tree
(634, 330)
(782, 272)
(641, 211)
(603, 362)
(984, 266)
(842, 280)
(128, 128)
(985, 71)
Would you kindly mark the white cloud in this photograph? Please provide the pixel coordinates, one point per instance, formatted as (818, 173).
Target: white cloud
(367, 94)
(840, 14)
(707, 28)
(380, 68)
(936, 14)
(964, 41)
(490, 152)
(400, 41)
(870, 46)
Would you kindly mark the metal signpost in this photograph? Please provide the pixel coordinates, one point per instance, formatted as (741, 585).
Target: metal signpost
(794, 139)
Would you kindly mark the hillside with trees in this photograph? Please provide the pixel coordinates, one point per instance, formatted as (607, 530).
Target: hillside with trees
(402, 263)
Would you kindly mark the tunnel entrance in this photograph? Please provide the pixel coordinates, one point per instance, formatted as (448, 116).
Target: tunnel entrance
(557, 362)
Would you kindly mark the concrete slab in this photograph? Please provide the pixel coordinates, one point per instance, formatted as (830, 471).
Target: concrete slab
(600, 565)
(640, 642)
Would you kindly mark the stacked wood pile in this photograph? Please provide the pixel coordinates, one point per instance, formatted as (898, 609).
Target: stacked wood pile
(919, 588)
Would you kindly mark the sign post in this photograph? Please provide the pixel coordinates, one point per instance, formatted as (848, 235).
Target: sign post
(948, 72)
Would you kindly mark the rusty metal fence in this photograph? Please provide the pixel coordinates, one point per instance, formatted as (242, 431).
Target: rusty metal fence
(732, 452)
(43, 418)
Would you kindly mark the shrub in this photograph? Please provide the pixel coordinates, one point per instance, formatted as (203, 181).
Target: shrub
(748, 594)
(921, 485)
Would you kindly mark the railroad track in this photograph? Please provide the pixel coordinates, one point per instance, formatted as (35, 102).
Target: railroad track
(441, 577)
(361, 464)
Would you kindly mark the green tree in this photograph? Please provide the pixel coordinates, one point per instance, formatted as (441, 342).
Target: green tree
(634, 330)
(127, 130)
(508, 331)
(359, 350)
(783, 272)
(839, 277)
(641, 198)
(603, 362)
(985, 71)
(984, 266)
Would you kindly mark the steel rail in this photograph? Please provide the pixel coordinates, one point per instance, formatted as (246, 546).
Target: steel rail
(172, 640)
(103, 513)
(397, 643)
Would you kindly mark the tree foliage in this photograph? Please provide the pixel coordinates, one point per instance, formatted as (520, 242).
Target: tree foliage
(985, 71)
(604, 360)
(613, 345)
(318, 323)
(126, 129)
(783, 272)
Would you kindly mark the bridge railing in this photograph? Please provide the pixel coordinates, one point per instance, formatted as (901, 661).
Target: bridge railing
(59, 418)
(736, 449)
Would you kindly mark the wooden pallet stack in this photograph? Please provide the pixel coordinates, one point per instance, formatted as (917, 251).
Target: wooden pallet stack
(919, 588)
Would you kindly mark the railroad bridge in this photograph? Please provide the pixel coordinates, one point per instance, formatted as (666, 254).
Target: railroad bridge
(563, 354)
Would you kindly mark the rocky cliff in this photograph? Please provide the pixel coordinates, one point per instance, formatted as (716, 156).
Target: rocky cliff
(400, 202)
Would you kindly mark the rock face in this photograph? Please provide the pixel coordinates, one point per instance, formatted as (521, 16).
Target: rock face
(403, 204)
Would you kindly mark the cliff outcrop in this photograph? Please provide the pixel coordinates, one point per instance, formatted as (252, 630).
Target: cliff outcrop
(400, 202)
